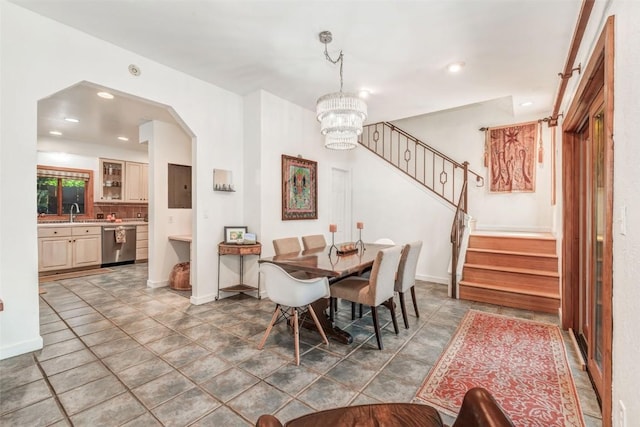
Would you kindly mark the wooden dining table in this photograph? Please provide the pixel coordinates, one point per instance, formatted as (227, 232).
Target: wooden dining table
(318, 263)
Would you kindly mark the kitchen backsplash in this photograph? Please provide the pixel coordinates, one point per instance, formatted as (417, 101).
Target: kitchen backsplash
(122, 210)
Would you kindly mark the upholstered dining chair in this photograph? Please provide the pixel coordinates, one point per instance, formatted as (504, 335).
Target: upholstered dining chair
(290, 295)
(406, 278)
(286, 245)
(376, 290)
(313, 242)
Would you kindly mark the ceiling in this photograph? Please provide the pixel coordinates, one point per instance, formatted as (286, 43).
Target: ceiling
(100, 121)
(398, 50)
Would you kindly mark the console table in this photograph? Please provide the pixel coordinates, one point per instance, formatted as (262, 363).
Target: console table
(239, 250)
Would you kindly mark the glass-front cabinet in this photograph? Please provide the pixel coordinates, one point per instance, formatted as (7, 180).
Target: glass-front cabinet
(112, 180)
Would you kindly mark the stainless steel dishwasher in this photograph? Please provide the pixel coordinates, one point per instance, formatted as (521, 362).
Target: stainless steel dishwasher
(114, 252)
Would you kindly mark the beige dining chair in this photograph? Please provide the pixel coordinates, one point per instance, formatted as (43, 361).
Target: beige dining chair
(376, 290)
(286, 245)
(292, 295)
(406, 278)
(313, 242)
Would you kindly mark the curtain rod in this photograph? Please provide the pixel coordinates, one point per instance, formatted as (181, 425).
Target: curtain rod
(552, 121)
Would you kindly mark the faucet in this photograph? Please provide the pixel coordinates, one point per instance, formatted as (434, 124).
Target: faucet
(71, 211)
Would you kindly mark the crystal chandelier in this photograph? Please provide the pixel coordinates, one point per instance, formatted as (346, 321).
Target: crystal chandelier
(340, 114)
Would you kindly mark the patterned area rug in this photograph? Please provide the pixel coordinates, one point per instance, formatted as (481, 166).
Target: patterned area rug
(522, 363)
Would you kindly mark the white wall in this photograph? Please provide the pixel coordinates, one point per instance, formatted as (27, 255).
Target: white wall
(456, 133)
(289, 129)
(38, 57)
(274, 126)
(392, 205)
(626, 246)
(169, 144)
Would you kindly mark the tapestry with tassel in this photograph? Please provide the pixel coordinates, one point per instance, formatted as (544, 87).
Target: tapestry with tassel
(510, 152)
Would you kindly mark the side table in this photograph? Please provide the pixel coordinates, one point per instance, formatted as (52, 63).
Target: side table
(239, 250)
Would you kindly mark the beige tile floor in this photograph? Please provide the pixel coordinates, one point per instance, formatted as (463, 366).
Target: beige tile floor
(118, 353)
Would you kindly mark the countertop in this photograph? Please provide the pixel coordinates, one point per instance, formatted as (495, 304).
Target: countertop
(90, 223)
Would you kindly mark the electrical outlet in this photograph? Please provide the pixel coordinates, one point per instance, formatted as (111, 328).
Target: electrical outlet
(622, 414)
(170, 219)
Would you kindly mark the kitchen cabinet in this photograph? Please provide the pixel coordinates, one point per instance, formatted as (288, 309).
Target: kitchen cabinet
(61, 248)
(136, 182)
(112, 178)
(142, 242)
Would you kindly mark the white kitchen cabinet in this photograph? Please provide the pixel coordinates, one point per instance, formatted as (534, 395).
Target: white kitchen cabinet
(61, 248)
(112, 180)
(137, 182)
(142, 242)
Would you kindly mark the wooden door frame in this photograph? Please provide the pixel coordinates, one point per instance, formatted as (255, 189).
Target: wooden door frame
(598, 75)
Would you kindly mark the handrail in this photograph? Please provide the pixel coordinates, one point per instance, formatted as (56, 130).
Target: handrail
(433, 150)
(433, 169)
(457, 231)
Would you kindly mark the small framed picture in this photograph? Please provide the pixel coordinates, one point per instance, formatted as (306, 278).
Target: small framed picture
(234, 234)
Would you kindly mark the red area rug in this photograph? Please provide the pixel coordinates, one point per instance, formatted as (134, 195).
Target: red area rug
(522, 363)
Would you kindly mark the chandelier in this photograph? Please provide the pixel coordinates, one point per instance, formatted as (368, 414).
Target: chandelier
(340, 114)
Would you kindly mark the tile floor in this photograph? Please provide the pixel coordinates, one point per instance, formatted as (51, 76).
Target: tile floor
(118, 353)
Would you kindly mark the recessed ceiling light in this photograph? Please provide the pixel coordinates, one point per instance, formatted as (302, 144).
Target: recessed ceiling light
(71, 119)
(55, 132)
(105, 95)
(526, 104)
(455, 67)
(123, 138)
(364, 93)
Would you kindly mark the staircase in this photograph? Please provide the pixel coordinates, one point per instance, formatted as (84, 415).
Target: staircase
(517, 270)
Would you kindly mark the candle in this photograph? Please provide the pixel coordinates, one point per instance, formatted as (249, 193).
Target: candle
(333, 228)
(360, 225)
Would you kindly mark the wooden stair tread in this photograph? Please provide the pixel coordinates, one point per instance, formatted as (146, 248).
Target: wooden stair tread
(514, 235)
(514, 270)
(509, 289)
(505, 252)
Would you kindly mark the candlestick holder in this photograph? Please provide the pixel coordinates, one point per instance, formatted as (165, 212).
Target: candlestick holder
(359, 242)
(333, 243)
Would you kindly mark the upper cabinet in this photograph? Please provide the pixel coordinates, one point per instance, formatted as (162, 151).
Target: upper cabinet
(137, 182)
(122, 181)
(112, 176)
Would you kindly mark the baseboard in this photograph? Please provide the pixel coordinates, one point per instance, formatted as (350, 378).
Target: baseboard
(434, 279)
(157, 284)
(203, 299)
(21, 348)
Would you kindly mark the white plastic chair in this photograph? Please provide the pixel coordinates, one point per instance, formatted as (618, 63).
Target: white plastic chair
(406, 278)
(291, 293)
(384, 241)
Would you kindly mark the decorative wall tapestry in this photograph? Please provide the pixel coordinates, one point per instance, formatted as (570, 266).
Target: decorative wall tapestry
(512, 157)
(299, 188)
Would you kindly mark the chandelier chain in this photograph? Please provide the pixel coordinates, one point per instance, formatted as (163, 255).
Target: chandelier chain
(339, 59)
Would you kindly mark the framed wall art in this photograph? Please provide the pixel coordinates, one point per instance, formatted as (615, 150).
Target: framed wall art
(234, 234)
(299, 188)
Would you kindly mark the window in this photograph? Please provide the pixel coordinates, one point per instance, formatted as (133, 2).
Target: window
(59, 188)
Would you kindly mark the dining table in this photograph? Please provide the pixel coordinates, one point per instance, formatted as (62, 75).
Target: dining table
(327, 262)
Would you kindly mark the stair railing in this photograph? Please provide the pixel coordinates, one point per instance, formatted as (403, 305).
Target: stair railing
(433, 169)
(457, 231)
